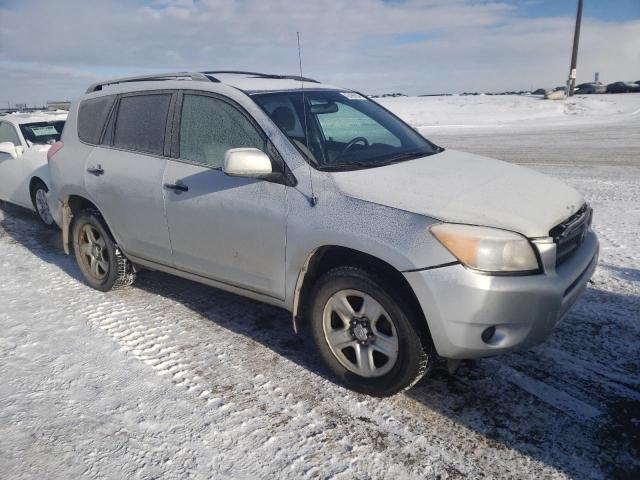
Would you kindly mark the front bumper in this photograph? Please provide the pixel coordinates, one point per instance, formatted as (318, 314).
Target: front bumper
(459, 304)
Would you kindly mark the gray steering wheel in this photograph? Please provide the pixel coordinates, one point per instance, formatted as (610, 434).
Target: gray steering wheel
(352, 143)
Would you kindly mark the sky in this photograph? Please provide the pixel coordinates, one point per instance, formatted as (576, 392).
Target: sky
(52, 50)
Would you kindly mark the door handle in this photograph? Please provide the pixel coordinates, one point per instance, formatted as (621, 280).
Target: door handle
(177, 187)
(97, 171)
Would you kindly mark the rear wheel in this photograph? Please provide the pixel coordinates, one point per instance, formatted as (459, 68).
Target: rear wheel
(367, 334)
(39, 199)
(101, 262)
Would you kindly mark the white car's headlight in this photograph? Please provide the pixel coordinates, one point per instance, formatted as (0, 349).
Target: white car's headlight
(487, 249)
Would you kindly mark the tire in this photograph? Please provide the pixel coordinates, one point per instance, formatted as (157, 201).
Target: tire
(39, 199)
(345, 345)
(101, 262)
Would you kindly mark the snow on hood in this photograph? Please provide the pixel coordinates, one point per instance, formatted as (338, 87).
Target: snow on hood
(465, 188)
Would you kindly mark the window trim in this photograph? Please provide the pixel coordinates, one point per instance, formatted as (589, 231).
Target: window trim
(172, 130)
(111, 117)
(286, 177)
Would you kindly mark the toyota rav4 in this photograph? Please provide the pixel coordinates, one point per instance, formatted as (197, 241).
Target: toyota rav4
(389, 250)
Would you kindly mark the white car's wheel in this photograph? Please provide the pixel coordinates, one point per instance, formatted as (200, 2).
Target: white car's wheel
(39, 198)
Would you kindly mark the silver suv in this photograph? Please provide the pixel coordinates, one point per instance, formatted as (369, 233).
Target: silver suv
(388, 250)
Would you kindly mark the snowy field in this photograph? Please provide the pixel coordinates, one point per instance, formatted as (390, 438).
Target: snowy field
(171, 379)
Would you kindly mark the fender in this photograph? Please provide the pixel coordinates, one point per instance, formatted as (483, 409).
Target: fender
(298, 289)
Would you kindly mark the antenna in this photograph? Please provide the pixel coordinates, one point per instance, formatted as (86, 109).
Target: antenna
(313, 199)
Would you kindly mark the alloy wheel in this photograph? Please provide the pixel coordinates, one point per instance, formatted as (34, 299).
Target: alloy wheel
(93, 252)
(360, 333)
(43, 207)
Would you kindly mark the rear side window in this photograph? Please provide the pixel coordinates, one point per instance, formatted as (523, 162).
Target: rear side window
(91, 117)
(141, 123)
(209, 127)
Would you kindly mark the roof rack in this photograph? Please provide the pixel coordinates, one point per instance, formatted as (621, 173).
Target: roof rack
(195, 76)
(261, 75)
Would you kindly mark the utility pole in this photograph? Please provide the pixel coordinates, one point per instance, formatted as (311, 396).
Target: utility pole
(571, 83)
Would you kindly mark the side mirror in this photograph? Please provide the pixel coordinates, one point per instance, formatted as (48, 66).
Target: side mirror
(9, 148)
(246, 162)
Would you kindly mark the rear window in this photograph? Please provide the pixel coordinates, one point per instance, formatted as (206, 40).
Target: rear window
(141, 123)
(42, 132)
(91, 117)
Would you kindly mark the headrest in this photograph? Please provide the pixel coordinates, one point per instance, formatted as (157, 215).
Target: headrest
(283, 117)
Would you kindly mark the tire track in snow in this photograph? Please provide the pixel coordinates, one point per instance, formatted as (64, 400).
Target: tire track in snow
(561, 400)
(151, 341)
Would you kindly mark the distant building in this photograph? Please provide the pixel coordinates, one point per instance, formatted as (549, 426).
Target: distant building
(58, 105)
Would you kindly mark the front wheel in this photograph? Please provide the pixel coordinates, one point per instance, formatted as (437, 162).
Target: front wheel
(101, 262)
(367, 334)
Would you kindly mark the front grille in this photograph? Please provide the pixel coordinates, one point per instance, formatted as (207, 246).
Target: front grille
(570, 234)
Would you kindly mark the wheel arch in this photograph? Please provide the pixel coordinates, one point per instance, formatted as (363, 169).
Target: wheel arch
(71, 207)
(36, 179)
(32, 183)
(327, 257)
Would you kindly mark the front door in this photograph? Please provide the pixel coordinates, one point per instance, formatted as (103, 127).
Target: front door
(225, 228)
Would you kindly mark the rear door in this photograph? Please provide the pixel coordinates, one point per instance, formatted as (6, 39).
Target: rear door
(226, 228)
(124, 174)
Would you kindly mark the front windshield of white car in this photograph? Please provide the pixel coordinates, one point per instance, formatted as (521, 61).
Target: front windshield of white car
(338, 130)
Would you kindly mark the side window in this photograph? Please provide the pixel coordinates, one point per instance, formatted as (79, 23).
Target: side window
(209, 127)
(8, 134)
(92, 114)
(141, 123)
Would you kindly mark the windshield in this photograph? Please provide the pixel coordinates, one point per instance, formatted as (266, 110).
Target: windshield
(42, 132)
(343, 130)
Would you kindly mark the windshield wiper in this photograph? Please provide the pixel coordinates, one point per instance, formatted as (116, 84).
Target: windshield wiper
(402, 157)
(347, 166)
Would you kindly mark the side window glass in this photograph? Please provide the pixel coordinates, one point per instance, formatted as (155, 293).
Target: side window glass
(8, 134)
(91, 117)
(209, 127)
(141, 123)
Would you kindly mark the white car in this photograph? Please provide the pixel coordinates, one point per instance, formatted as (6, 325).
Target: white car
(25, 139)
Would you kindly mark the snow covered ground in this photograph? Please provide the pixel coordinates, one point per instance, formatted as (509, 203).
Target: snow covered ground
(171, 379)
(498, 111)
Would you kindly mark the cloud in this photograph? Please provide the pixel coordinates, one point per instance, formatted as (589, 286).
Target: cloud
(413, 46)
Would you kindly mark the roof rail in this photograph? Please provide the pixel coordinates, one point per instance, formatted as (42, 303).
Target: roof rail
(262, 75)
(195, 76)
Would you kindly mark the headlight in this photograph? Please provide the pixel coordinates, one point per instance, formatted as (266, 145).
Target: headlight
(487, 249)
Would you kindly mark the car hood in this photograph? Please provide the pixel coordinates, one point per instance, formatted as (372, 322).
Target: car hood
(465, 188)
